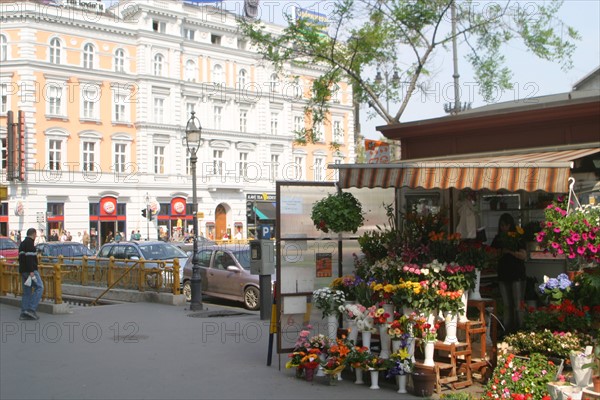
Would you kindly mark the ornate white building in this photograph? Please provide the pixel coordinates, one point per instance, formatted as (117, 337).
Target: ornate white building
(105, 95)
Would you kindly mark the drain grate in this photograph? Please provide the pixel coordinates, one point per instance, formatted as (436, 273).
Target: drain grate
(85, 301)
(217, 314)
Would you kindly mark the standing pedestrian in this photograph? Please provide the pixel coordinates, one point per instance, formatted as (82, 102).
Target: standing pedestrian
(33, 287)
(86, 239)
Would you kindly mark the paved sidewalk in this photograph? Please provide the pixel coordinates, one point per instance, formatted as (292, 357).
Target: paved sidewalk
(152, 351)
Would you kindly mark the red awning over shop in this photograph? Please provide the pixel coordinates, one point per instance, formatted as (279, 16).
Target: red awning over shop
(548, 171)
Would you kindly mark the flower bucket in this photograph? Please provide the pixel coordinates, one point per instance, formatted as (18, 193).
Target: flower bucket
(571, 393)
(582, 376)
(374, 379)
(451, 321)
(423, 383)
(555, 389)
(429, 349)
(359, 376)
(401, 381)
(366, 339)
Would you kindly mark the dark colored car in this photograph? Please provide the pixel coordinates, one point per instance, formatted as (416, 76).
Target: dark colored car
(8, 248)
(66, 249)
(226, 274)
(151, 250)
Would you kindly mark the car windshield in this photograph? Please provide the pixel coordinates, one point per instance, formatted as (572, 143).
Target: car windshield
(161, 251)
(6, 244)
(243, 257)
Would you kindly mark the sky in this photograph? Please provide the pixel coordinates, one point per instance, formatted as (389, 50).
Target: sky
(531, 76)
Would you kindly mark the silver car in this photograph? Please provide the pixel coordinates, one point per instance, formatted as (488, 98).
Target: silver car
(225, 274)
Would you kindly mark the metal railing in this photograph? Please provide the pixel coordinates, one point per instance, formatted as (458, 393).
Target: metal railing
(139, 275)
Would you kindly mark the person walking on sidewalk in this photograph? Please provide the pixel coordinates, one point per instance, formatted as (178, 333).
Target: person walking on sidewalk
(30, 277)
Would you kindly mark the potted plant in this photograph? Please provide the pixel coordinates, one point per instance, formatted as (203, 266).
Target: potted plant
(339, 212)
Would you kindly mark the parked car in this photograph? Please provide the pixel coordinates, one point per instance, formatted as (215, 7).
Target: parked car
(151, 250)
(8, 248)
(66, 249)
(188, 247)
(225, 274)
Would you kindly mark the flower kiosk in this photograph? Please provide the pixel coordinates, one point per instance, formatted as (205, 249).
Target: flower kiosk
(398, 282)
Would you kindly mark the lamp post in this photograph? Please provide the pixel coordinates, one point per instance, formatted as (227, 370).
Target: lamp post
(395, 81)
(193, 132)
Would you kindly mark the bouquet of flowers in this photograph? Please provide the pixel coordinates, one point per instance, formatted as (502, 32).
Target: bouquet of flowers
(511, 240)
(575, 234)
(328, 300)
(374, 362)
(382, 292)
(401, 363)
(353, 311)
(364, 323)
(459, 277)
(320, 342)
(310, 359)
(378, 315)
(442, 246)
(399, 328)
(336, 358)
(345, 284)
(450, 300)
(358, 356)
(301, 349)
(425, 330)
(555, 289)
(476, 254)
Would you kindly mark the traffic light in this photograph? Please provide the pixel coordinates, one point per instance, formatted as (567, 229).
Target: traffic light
(250, 212)
(144, 214)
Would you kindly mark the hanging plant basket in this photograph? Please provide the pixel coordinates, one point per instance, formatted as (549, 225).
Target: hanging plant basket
(340, 212)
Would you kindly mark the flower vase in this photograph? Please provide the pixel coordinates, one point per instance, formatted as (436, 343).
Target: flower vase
(401, 381)
(352, 331)
(366, 339)
(309, 374)
(374, 379)
(410, 347)
(322, 358)
(432, 316)
(396, 344)
(429, 349)
(384, 337)
(451, 322)
(332, 378)
(332, 326)
(299, 372)
(462, 316)
(359, 376)
(474, 293)
(407, 311)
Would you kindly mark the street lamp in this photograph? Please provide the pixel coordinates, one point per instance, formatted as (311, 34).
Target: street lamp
(193, 132)
(395, 81)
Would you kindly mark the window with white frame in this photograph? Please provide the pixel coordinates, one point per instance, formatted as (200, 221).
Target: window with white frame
(243, 120)
(274, 167)
(189, 108)
(319, 135)
(242, 44)
(189, 33)
(299, 167)
(3, 153)
(338, 133)
(274, 123)
(188, 162)
(54, 92)
(159, 26)
(4, 98)
(218, 162)
(119, 60)
(319, 169)
(298, 92)
(55, 51)
(217, 114)
(159, 109)
(158, 64)
(191, 71)
(298, 123)
(120, 158)
(120, 107)
(3, 48)
(55, 149)
(88, 56)
(215, 39)
(273, 83)
(243, 165)
(335, 93)
(217, 75)
(159, 159)
(242, 76)
(90, 96)
(88, 154)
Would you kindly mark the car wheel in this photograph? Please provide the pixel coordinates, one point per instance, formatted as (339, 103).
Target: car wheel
(187, 290)
(252, 298)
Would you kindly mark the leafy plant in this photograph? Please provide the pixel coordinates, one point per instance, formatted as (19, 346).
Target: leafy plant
(339, 212)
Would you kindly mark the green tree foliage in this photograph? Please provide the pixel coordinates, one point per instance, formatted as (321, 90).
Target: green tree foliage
(406, 36)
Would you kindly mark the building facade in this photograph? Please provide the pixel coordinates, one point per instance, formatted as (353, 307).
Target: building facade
(100, 99)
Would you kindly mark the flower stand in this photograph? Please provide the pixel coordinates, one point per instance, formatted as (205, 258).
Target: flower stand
(451, 321)
(374, 379)
(429, 350)
(401, 381)
(359, 376)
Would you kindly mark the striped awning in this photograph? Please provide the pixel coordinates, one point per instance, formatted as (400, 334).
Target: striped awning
(547, 171)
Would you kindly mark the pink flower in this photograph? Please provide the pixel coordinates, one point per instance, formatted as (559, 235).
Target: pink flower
(556, 230)
(555, 245)
(581, 250)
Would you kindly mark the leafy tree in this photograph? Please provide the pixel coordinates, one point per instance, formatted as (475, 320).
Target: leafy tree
(405, 36)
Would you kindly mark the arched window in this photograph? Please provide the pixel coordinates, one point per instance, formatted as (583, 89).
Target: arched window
(217, 74)
(190, 71)
(158, 64)
(3, 48)
(120, 60)
(274, 83)
(55, 49)
(88, 56)
(242, 78)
